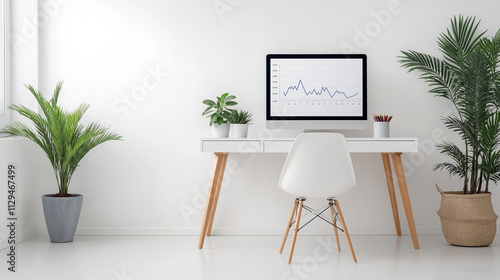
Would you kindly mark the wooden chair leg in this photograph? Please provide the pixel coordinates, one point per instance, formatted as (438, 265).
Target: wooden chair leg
(334, 225)
(342, 222)
(288, 225)
(297, 222)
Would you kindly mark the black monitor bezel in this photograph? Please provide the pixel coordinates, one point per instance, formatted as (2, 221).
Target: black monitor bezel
(269, 57)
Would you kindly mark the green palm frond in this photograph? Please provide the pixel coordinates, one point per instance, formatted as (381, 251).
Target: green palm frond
(59, 134)
(457, 43)
(459, 165)
(434, 71)
(468, 75)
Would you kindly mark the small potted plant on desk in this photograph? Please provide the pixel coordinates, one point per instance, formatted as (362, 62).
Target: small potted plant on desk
(218, 113)
(468, 77)
(65, 141)
(240, 121)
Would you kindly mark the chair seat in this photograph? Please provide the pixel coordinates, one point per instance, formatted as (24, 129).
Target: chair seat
(318, 166)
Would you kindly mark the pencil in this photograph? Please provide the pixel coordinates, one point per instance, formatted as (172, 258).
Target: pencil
(382, 118)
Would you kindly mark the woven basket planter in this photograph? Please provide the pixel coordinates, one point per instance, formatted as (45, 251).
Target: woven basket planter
(467, 220)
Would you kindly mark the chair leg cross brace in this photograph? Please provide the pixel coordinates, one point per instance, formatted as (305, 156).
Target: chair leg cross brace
(332, 221)
(336, 215)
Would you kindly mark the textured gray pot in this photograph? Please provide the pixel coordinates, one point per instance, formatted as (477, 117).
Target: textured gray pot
(61, 216)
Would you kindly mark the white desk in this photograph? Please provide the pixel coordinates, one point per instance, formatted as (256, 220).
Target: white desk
(387, 147)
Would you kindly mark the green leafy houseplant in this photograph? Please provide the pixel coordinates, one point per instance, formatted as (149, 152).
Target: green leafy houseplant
(218, 110)
(468, 76)
(60, 134)
(239, 117)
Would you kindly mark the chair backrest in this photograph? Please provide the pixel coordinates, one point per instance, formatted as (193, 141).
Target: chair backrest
(318, 165)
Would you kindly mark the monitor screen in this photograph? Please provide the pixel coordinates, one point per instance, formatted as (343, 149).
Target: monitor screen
(317, 90)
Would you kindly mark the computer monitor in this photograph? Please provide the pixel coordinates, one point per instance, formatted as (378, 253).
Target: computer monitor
(316, 91)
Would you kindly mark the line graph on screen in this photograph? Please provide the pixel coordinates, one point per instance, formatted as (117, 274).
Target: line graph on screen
(328, 82)
(316, 87)
(324, 92)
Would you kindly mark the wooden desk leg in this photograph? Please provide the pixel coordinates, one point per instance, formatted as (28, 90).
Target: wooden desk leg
(220, 163)
(217, 192)
(398, 167)
(392, 194)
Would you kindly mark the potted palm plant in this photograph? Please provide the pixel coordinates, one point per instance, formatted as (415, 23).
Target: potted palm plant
(65, 141)
(239, 121)
(217, 110)
(467, 75)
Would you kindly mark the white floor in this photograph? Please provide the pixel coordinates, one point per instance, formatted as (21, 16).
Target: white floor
(249, 257)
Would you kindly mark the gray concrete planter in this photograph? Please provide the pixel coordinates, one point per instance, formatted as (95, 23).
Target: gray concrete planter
(61, 216)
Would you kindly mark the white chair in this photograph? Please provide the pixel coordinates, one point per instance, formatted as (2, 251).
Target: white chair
(318, 166)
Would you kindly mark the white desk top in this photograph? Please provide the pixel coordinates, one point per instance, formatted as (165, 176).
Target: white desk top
(283, 145)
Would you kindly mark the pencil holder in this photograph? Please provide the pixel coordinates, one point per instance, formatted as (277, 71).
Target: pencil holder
(381, 129)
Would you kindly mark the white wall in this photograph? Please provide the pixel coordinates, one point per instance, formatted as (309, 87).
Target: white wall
(22, 153)
(145, 66)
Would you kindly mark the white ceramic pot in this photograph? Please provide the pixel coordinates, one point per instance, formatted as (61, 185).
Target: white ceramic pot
(380, 129)
(239, 130)
(220, 131)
